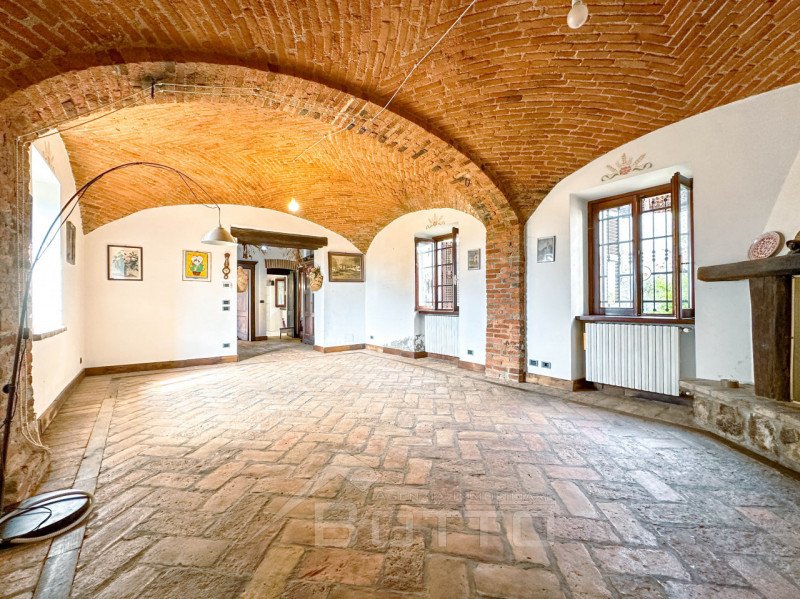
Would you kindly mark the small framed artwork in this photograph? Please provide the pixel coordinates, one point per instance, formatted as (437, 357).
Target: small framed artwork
(280, 292)
(546, 249)
(345, 268)
(70, 232)
(473, 259)
(125, 263)
(196, 266)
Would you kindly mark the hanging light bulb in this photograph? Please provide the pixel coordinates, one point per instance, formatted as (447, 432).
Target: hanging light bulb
(578, 14)
(294, 206)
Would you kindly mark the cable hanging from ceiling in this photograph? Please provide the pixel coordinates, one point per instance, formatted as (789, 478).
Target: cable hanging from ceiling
(351, 123)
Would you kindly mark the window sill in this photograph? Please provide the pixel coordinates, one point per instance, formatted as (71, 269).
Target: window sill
(437, 313)
(48, 334)
(637, 319)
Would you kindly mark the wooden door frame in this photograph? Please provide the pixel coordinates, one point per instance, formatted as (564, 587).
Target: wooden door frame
(251, 266)
(298, 297)
(302, 286)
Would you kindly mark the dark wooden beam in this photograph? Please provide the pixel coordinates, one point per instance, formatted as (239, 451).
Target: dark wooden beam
(771, 308)
(778, 266)
(279, 240)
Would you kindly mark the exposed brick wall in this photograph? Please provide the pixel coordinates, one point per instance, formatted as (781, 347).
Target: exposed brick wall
(505, 299)
(26, 464)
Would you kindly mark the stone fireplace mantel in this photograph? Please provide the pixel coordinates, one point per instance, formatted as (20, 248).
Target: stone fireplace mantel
(771, 307)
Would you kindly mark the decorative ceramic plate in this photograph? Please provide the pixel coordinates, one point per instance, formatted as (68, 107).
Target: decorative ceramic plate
(765, 246)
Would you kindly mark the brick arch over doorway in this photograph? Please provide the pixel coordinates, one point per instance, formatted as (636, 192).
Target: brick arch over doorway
(403, 166)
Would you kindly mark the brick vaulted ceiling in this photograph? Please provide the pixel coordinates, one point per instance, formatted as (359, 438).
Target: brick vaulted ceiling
(519, 94)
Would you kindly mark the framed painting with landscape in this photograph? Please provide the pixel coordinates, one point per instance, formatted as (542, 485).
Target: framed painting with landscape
(345, 267)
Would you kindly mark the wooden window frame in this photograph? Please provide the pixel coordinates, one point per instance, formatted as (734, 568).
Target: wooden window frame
(634, 198)
(423, 309)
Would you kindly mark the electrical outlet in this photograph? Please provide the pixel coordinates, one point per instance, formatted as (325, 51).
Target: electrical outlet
(546, 365)
(533, 362)
(372, 336)
(470, 352)
(226, 345)
(226, 308)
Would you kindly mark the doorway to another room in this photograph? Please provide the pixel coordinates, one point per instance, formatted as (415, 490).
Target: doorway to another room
(275, 301)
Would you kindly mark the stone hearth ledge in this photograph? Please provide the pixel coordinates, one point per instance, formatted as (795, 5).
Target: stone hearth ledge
(767, 427)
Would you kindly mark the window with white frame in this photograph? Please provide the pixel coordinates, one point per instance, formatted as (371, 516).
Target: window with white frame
(46, 291)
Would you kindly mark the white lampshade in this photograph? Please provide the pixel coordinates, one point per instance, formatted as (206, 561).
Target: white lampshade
(219, 236)
(578, 14)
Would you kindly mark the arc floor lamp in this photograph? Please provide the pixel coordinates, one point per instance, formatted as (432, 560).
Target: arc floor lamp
(50, 514)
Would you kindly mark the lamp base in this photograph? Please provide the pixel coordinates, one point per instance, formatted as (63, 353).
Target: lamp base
(45, 516)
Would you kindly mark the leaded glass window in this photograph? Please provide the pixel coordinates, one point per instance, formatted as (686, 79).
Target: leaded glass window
(641, 255)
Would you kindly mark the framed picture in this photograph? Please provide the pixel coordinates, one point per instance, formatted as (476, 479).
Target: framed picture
(125, 263)
(473, 259)
(345, 268)
(546, 249)
(70, 232)
(196, 266)
(280, 292)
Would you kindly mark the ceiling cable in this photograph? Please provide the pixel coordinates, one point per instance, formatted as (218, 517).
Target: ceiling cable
(352, 122)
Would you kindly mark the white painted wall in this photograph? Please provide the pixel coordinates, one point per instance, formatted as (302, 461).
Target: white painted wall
(743, 158)
(164, 318)
(57, 360)
(390, 317)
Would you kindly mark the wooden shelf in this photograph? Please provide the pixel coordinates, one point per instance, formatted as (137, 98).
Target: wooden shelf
(778, 266)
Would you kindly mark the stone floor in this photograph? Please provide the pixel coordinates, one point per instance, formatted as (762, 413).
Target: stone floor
(252, 349)
(296, 474)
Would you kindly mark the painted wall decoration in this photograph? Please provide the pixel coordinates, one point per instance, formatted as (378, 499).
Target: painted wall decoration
(345, 267)
(435, 221)
(625, 166)
(546, 249)
(196, 266)
(473, 259)
(125, 263)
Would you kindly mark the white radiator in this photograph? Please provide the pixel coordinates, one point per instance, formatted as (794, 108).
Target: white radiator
(441, 335)
(634, 356)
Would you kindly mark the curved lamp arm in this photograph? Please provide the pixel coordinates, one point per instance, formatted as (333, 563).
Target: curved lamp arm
(66, 211)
